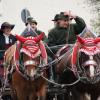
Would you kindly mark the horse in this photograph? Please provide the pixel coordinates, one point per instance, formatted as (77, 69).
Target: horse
(26, 69)
(81, 63)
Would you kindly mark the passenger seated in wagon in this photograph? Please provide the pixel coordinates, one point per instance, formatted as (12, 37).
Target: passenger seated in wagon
(6, 40)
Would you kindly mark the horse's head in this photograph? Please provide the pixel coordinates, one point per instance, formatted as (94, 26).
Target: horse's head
(30, 54)
(86, 58)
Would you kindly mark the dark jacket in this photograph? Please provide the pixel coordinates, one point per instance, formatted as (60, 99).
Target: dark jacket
(27, 33)
(59, 36)
(4, 46)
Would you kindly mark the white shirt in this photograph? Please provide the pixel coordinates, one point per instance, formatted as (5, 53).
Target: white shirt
(6, 38)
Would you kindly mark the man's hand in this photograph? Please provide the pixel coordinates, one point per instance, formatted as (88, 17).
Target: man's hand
(69, 13)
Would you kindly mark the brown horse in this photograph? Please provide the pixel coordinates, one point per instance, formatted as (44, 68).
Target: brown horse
(27, 82)
(83, 63)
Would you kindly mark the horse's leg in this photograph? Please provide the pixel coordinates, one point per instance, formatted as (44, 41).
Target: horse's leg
(94, 97)
(13, 95)
(77, 95)
(13, 92)
(32, 96)
(21, 95)
(98, 98)
(20, 85)
(85, 97)
(42, 93)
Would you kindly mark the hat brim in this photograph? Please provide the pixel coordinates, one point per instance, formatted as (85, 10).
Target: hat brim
(12, 26)
(34, 22)
(8, 26)
(53, 20)
(31, 22)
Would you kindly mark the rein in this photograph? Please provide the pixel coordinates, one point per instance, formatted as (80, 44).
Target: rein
(53, 82)
(60, 85)
(41, 68)
(2, 50)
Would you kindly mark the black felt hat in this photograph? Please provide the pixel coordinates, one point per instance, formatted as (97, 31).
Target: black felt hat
(64, 16)
(56, 17)
(31, 20)
(7, 24)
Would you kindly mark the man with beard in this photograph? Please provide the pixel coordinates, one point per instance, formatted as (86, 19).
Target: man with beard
(65, 32)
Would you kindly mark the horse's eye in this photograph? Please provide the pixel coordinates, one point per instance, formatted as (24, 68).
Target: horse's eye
(83, 57)
(96, 57)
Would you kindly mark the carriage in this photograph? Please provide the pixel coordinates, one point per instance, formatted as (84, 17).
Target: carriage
(5, 90)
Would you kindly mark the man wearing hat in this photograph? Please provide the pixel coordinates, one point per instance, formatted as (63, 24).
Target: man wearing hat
(65, 32)
(31, 28)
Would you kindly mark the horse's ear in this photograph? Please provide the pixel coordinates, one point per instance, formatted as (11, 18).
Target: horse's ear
(97, 40)
(20, 38)
(39, 37)
(80, 40)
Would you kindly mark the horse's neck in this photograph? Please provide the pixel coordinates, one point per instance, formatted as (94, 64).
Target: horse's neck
(63, 63)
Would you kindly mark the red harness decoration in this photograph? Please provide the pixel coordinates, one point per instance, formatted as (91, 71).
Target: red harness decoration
(32, 46)
(31, 49)
(87, 45)
(43, 51)
(73, 58)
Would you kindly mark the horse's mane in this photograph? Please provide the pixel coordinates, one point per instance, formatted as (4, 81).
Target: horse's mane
(66, 58)
(9, 53)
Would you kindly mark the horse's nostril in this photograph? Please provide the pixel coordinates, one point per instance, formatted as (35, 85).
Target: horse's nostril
(86, 67)
(92, 77)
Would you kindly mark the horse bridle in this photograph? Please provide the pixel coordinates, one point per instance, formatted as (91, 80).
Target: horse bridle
(82, 72)
(36, 62)
(30, 62)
